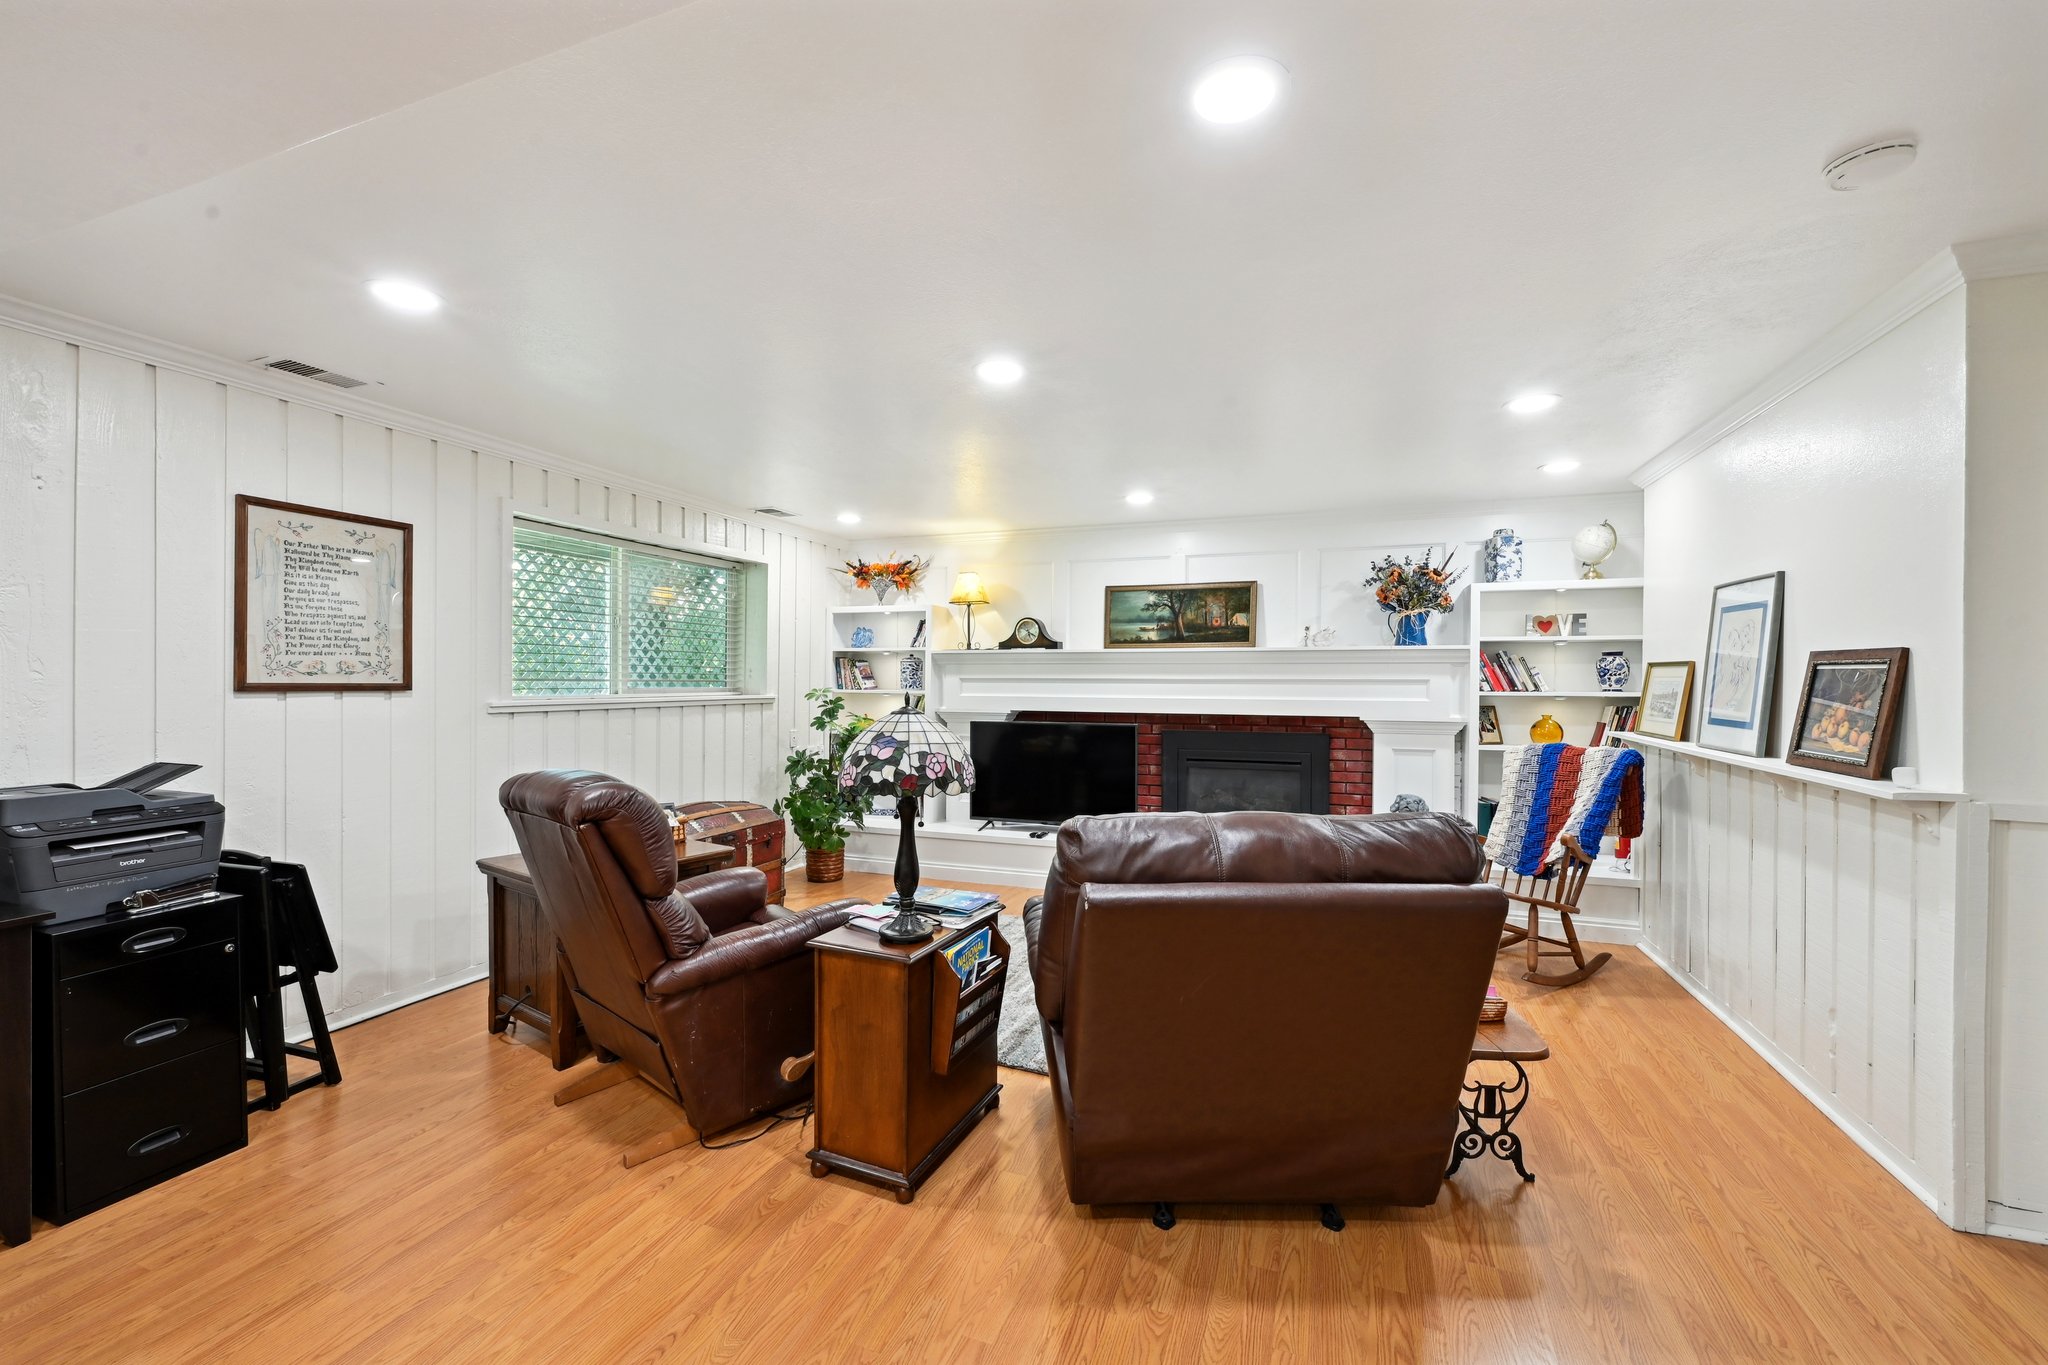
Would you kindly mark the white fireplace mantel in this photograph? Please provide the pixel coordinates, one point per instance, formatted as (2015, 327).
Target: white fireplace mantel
(1412, 698)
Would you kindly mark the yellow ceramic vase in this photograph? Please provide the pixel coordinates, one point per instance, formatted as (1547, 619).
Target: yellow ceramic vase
(1546, 730)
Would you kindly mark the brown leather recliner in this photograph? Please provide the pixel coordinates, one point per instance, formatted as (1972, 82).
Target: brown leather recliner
(1260, 1008)
(703, 989)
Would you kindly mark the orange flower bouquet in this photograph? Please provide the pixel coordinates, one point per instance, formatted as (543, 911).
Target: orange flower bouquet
(1410, 591)
(886, 575)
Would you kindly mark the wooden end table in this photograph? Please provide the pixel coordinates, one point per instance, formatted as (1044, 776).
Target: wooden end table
(1492, 1108)
(906, 1056)
(527, 981)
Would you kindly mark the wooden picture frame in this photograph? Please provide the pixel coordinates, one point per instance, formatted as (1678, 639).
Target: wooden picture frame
(327, 586)
(1489, 725)
(1849, 711)
(1229, 615)
(1660, 717)
(1739, 684)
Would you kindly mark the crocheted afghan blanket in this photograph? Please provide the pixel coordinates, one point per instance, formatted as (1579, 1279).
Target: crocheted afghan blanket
(1551, 790)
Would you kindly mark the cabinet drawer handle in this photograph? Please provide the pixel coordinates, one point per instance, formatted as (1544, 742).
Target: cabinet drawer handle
(152, 941)
(157, 1032)
(157, 1141)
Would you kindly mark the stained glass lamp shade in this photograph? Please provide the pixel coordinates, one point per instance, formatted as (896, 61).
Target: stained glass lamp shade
(902, 757)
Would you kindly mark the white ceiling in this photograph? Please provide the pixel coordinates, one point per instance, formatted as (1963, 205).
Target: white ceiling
(754, 247)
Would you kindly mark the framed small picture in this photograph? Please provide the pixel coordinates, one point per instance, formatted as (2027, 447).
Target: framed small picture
(1740, 690)
(1489, 725)
(1849, 711)
(1180, 616)
(1667, 700)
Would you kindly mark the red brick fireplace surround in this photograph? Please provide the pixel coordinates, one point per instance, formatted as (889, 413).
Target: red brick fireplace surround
(1350, 747)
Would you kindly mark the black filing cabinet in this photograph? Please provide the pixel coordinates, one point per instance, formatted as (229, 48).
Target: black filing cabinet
(139, 1065)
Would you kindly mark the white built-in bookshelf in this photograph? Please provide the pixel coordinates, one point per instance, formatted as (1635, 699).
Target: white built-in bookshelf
(1571, 693)
(896, 639)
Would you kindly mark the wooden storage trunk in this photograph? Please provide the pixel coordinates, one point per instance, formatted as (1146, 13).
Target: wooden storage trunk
(754, 833)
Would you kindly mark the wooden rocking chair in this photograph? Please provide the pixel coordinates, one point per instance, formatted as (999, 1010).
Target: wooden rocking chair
(1564, 878)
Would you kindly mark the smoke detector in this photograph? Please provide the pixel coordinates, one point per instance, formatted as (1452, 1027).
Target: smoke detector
(1868, 165)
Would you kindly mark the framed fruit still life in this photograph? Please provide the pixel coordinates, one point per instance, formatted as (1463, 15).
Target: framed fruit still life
(1849, 711)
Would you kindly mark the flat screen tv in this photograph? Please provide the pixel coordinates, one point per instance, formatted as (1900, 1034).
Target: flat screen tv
(1046, 771)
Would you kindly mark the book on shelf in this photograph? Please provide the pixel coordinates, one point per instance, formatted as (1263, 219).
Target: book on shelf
(864, 676)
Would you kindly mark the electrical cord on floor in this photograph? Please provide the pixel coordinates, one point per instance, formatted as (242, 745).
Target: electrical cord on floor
(801, 1114)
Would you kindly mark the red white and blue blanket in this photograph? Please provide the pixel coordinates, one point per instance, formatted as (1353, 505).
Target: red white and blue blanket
(1551, 790)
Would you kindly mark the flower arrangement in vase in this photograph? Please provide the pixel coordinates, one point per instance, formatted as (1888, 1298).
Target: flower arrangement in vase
(886, 575)
(1410, 591)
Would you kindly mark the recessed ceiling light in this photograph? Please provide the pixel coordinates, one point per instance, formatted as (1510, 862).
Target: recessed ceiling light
(849, 518)
(1529, 404)
(404, 296)
(1000, 371)
(1138, 497)
(1564, 466)
(1237, 90)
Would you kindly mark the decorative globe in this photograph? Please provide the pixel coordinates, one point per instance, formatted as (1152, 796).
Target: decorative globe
(1593, 545)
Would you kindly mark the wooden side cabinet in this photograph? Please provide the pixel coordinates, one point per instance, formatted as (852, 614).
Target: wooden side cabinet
(906, 1058)
(529, 983)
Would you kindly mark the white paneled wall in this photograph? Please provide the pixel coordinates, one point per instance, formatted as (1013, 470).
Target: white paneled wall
(1310, 569)
(2017, 1021)
(117, 480)
(1820, 925)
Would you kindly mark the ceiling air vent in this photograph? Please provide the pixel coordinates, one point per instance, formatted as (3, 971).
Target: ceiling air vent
(772, 512)
(305, 371)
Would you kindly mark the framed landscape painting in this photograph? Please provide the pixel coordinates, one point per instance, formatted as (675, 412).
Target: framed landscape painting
(1180, 616)
(1849, 711)
(1667, 697)
(1742, 665)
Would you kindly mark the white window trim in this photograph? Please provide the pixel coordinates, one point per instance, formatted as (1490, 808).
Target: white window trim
(754, 669)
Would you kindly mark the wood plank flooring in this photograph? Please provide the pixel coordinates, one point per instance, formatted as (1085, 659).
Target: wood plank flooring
(1690, 1206)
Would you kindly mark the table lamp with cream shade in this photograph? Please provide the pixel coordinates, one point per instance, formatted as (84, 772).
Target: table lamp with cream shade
(903, 757)
(968, 593)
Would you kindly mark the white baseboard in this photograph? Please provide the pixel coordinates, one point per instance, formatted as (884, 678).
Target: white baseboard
(2022, 1225)
(1859, 1132)
(341, 1019)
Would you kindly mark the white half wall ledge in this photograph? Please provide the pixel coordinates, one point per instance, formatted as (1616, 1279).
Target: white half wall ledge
(1777, 767)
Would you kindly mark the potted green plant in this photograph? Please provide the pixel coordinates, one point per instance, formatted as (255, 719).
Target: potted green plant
(819, 810)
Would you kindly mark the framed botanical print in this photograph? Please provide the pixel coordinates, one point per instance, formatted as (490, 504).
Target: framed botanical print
(1667, 699)
(1740, 689)
(1180, 616)
(323, 600)
(1849, 711)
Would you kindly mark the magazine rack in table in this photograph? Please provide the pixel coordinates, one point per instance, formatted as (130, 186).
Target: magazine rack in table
(906, 1062)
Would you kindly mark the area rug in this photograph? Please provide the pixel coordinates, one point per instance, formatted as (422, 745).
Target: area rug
(1019, 1043)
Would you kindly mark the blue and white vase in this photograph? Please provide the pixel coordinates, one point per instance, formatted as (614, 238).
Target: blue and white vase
(910, 673)
(1613, 671)
(1503, 558)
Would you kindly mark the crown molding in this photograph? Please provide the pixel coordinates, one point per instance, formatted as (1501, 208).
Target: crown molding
(1999, 257)
(1928, 284)
(169, 355)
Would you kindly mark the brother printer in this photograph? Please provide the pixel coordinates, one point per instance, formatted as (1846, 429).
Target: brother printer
(125, 844)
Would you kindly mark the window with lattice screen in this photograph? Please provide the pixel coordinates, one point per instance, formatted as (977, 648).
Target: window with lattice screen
(596, 616)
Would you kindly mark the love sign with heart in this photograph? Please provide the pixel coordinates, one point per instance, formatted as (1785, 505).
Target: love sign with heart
(1546, 625)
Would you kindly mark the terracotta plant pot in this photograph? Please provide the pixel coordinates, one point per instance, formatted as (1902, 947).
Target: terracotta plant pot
(824, 867)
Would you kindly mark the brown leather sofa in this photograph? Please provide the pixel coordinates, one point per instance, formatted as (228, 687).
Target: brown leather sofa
(1260, 1008)
(703, 988)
